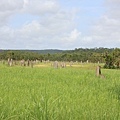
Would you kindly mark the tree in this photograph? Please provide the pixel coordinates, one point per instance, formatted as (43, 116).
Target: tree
(112, 60)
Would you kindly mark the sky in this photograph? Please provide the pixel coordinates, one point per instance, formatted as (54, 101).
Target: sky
(59, 24)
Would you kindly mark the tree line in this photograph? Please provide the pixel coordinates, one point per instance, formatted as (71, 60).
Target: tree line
(109, 56)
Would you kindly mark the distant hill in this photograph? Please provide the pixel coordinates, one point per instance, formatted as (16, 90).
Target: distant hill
(54, 51)
(46, 51)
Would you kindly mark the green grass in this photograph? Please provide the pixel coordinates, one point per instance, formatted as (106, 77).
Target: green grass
(45, 93)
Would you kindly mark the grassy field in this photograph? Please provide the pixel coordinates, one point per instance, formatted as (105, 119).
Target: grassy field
(71, 93)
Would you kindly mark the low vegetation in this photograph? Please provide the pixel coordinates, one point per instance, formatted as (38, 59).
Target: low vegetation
(71, 93)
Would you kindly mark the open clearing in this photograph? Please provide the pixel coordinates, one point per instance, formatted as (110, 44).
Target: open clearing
(71, 93)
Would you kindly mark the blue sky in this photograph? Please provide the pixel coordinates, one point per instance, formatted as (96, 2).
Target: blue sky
(59, 24)
(19, 20)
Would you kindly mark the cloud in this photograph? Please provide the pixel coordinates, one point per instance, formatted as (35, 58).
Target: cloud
(55, 26)
(8, 8)
(106, 30)
(56, 31)
(75, 34)
(39, 7)
(11, 5)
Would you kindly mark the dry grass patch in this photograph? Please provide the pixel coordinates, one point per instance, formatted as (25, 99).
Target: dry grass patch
(43, 65)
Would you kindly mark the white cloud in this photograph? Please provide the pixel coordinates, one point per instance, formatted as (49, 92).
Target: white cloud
(75, 34)
(56, 27)
(56, 30)
(10, 5)
(8, 8)
(106, 30)
(39, 7)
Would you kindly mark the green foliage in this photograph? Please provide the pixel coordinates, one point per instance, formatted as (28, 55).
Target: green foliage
(109, 62)
(112, 60)
(94, 55)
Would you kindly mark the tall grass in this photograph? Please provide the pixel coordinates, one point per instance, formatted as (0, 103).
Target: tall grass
(73, 93)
